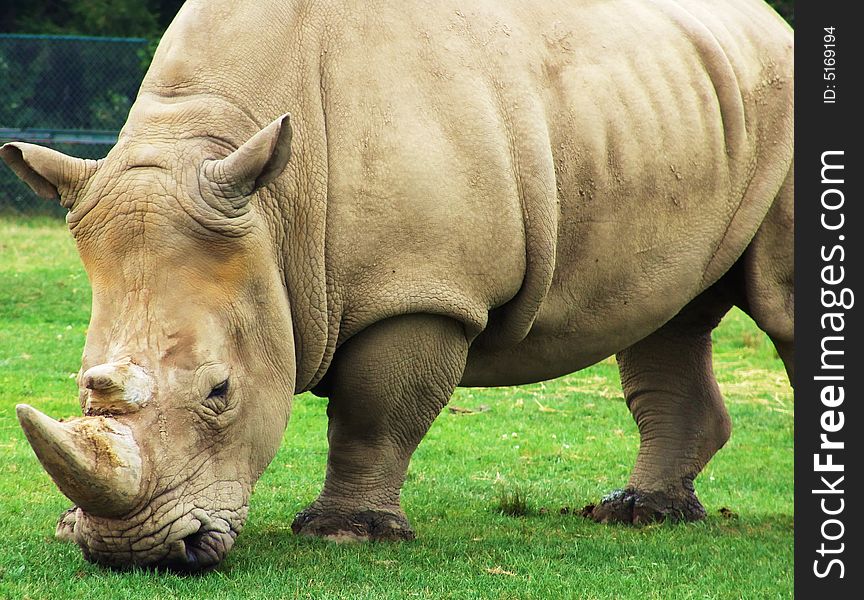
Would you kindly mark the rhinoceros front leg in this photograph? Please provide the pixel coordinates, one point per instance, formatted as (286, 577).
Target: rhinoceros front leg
(66, 525)
(671, 391)
(386, 386)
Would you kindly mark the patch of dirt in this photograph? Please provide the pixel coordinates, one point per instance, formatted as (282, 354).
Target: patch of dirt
(96, 434)
(727, 514)
(459, 410)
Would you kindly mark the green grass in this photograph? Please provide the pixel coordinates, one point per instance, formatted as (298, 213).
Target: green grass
(485, 490)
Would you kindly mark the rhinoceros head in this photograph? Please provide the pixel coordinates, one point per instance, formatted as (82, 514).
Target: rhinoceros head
(188, 368)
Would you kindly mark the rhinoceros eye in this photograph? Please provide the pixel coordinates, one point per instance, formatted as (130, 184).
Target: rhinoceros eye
(219, 391)
(217, 403)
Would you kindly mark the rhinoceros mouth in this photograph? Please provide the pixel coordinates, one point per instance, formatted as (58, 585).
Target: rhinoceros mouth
(201, 550)
(197, 541)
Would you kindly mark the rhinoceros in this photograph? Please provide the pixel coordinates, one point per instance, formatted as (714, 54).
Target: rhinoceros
(379, 202)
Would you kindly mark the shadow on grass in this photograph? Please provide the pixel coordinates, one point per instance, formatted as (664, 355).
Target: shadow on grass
(537, 532)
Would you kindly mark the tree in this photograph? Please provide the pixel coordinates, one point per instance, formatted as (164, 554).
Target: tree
(118, 18)
(786, 9)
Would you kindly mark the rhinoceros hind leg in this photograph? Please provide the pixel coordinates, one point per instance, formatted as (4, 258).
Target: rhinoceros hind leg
(768, 275)
(386, 386)
(637, 508)
(671, 391)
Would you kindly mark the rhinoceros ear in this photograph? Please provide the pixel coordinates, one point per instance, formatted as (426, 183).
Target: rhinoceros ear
(253, 165)
(51, 174)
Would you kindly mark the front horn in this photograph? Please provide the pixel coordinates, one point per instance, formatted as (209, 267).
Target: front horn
(93, 460)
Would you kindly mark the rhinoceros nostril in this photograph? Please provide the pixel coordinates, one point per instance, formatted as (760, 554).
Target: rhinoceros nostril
(99, 383)
(192, 544)
(202, 549)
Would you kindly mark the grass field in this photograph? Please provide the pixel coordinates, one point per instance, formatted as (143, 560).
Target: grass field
(558, 444)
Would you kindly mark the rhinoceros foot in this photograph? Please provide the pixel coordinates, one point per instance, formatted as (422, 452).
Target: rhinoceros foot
(634, 507)
(66, 525)
(366, 525)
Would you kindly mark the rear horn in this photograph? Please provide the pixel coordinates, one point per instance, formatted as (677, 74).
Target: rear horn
(116, 388)
(232, 180)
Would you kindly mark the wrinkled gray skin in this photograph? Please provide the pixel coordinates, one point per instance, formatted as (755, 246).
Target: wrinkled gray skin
(483, 193)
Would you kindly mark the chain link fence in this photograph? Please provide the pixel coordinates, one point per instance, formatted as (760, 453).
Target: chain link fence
(70, 93)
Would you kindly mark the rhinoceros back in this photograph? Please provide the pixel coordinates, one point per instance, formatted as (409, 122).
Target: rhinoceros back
(574, 170)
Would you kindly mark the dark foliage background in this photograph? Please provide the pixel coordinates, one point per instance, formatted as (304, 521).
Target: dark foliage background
(120, 18)
(786, 8)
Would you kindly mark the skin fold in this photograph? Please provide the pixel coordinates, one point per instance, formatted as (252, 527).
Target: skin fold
(379, 202)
